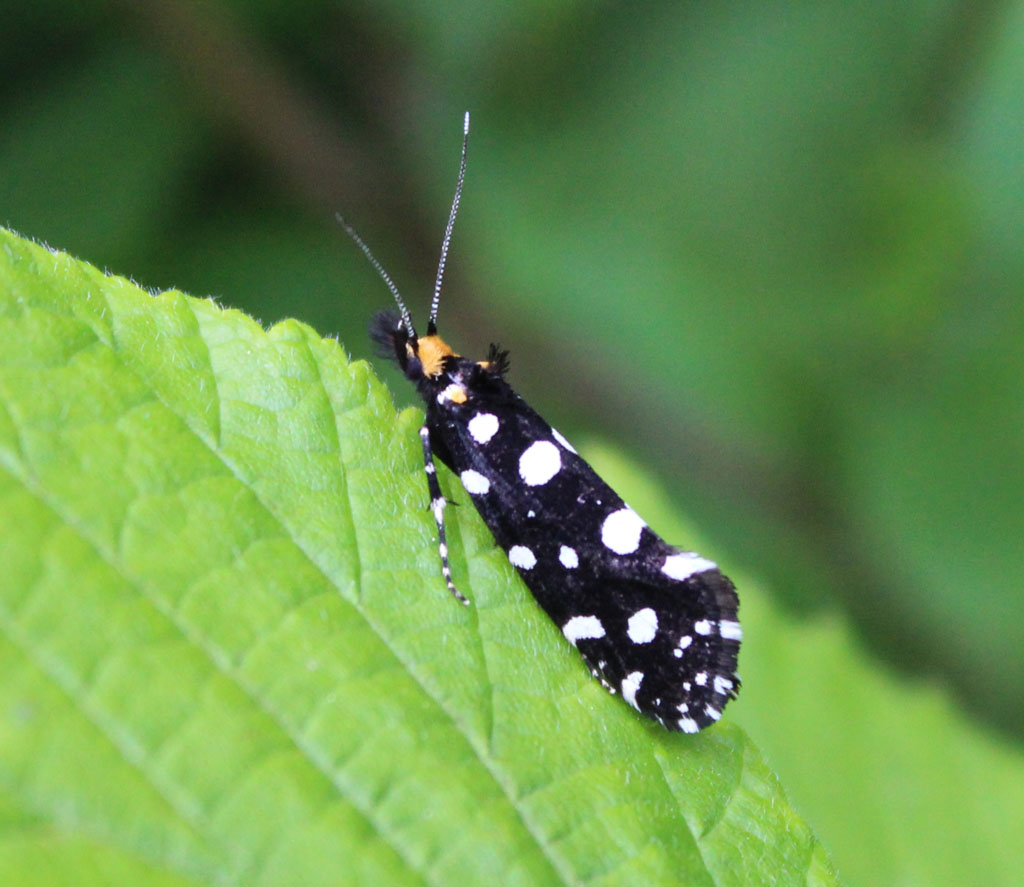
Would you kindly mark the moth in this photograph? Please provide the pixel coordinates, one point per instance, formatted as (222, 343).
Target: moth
(654, 624)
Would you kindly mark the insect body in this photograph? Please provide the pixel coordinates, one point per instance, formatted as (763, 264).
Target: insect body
(654, 624)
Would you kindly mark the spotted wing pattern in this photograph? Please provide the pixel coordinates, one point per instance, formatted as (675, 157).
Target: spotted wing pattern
(656, 625)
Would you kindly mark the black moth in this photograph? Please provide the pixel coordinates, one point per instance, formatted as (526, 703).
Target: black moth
(654, 624)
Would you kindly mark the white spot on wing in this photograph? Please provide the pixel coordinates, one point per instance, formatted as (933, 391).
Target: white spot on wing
(570, 560)
(483, 426)
(583, 628)
(558, 436)
(474, 482)
(521, 556)
(683, 566)
(702, 626)
(630, 686)
(688, 725)
(712, 713)
(729, 630)
(643, 626)
(723, 685)
(621, 531)
(539, 463)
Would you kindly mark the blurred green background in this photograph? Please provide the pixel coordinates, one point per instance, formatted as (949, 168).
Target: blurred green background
(770, 250)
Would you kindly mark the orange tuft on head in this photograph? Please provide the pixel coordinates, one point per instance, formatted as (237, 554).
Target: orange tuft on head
(432, 350)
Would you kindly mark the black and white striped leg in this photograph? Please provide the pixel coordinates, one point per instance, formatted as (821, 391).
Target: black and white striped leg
(437, 505)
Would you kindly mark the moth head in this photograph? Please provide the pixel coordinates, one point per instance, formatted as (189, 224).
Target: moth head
(435, 356)
(419, 357)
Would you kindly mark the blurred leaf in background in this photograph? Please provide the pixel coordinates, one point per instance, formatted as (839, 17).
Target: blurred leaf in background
(772, 251)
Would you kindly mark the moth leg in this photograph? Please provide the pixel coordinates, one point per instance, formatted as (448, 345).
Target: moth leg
(437, 506)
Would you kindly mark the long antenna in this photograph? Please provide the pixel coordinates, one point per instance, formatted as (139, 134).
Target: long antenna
(406, 317)
(432, 322)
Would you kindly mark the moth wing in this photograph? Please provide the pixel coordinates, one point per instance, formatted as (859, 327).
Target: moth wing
(655, 624)
(669, 648)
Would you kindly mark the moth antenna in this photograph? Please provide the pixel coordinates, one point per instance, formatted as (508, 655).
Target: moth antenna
(406, 317)
(432, 322)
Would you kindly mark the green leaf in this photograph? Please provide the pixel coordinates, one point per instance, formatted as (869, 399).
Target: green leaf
(229, 656)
